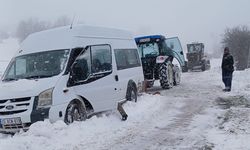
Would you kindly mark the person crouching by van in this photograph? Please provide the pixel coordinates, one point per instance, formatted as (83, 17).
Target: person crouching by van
(227, 69)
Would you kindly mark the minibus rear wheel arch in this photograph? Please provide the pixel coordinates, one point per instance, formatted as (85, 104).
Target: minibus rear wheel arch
(131, 94)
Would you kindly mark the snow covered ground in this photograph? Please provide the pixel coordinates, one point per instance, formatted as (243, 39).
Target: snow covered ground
(194, 115)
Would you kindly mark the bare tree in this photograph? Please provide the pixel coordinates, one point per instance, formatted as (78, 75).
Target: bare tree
(29, 26)
(26, 27)
(62, 21)
(238, 40)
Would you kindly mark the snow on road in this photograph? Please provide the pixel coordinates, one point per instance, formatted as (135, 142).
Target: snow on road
(194, 115)
(97, 132)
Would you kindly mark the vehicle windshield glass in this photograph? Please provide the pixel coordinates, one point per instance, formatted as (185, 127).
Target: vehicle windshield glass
(148, 49)
(37, 65)
(194, 48)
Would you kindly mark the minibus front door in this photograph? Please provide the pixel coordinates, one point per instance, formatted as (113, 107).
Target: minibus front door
(93, 77)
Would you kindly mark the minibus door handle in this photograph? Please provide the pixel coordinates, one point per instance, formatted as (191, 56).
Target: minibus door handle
(116, 78)
(65, 90)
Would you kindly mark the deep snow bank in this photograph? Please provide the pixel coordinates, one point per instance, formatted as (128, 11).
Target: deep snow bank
(96, 131)
(226, 124)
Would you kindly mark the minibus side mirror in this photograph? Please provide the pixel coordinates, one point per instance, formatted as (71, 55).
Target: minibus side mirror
(74, 73)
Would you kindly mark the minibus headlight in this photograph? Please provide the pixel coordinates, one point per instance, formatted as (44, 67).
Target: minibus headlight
(45, 98)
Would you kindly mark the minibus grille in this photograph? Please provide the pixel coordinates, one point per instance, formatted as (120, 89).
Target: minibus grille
(13, 126)
(20, 99)
(17, 126)
(12, 112)
(14, 106)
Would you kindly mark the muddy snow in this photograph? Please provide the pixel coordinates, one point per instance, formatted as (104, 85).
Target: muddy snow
(194, 115)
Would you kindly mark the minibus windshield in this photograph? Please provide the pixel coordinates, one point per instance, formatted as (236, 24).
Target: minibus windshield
(37, 65)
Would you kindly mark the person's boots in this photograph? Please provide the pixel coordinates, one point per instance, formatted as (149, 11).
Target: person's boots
(227, 89)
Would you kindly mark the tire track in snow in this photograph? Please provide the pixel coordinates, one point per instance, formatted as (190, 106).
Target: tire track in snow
(141, 130)
(170, 136)
(176, 134)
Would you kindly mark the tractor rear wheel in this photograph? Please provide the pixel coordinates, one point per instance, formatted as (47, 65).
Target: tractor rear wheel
(166, 76)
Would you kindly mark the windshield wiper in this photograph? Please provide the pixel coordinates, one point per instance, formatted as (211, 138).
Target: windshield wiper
(38, 76)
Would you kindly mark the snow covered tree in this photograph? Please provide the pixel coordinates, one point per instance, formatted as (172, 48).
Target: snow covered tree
(32, 25)
(62, 21)
(29, 26)
(238, 41)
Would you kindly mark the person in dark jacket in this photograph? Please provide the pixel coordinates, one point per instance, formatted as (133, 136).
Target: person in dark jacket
(227, 69)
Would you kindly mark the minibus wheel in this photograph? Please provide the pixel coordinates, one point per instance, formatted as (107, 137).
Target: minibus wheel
(76, 111)
(132, 94)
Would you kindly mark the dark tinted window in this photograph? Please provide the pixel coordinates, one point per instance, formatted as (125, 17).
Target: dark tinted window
(101, 58)
(94, 60)
(127, 58)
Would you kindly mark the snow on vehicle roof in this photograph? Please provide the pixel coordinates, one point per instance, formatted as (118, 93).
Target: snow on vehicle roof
(63, 38)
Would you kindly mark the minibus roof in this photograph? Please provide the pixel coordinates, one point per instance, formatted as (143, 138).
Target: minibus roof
(64, 38)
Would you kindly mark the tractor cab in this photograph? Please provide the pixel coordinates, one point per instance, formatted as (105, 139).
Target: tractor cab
(153, 46)
(157, 51)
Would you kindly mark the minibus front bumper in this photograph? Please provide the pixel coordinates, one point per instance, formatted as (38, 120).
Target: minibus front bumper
(14, 121)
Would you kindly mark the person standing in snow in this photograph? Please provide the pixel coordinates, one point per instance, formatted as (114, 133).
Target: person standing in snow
(227, 69)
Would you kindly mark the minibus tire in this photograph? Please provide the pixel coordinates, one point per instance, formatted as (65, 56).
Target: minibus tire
(76, 111)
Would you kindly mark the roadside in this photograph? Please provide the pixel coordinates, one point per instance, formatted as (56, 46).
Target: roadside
(193, 115)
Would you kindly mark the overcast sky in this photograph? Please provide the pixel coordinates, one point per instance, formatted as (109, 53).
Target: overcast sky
(190, 20)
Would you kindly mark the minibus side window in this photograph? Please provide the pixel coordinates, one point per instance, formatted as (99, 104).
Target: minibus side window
(127, 58)
(95, 60)
(101, 59)
(133, 58)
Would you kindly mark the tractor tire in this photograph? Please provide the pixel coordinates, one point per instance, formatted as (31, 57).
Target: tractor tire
(203, 67)
(177, 75)
(166, 76)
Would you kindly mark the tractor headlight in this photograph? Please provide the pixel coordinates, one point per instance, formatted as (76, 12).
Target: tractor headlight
(45, 99)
